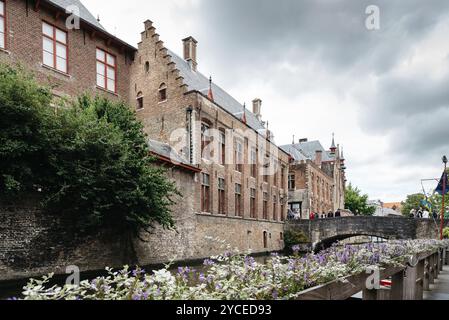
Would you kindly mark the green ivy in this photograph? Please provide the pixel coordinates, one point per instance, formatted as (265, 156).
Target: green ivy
(90, 161)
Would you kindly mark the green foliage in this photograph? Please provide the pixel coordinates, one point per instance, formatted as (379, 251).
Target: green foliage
(292, 238)
(446, 233)
(358, 203)
(90, 161)
(413, 202)
(23, 112)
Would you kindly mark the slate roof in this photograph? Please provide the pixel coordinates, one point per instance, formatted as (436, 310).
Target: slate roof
(84, 13)
(307, 151)
(166, 151)
(195, 80)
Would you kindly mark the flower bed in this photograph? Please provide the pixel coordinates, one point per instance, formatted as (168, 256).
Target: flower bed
(237, 277)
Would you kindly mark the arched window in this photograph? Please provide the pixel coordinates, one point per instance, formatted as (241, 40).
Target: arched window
(162, 92)
(147, 67)
(139, 100)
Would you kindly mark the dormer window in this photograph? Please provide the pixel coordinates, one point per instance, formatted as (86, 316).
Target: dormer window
(162, 92)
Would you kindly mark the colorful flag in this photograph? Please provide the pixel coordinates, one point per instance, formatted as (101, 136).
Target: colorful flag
(439, 189)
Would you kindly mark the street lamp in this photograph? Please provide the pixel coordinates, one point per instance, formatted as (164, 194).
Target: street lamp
(443, 208)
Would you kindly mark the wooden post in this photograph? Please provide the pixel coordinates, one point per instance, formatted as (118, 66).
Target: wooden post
(447, 256)
(411, 274)
(369, 294)
(431, 269)
(397, 286)
(382, 294)
(419, 293)
(426, 282)
(441, 260)
(436, 265)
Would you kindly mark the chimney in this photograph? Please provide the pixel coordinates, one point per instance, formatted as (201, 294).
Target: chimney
(257, 108)
(318, 158)
(303, 140)
(190, 52)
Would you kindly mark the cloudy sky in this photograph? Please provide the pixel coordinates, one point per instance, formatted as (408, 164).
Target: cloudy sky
(318, 70)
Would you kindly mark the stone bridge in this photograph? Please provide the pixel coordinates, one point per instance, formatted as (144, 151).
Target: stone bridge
(323, 233)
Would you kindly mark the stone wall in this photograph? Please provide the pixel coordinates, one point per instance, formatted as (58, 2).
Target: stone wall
(33, 244)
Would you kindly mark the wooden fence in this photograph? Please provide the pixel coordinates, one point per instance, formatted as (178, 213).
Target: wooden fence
(407, 283)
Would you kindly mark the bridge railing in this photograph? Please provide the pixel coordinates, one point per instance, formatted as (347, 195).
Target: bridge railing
(407, 283)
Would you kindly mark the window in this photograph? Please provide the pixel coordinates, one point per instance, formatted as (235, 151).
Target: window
(252, 204)
(205, 140)
(222, 147)
(282, 212)
(275, 208)
(275, 179)
(283, 177)
(2, 25)
(267, 166)
(205, 193)
(238, 200)
(54, 45)
(162, 92)
(106, 70)
(221, 196)
(291, 182)
(147, 67)
(265, 240)
(265, 206)
(238, 155)
(139, 101)
(253, 162)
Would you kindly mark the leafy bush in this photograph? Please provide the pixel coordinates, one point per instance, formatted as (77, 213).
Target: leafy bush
(446, 233)
(90, 161)
(24, 112)
(292, 238)
(236, 277)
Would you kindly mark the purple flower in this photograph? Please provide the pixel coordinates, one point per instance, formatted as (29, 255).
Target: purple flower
(137, 297)
(209, 262)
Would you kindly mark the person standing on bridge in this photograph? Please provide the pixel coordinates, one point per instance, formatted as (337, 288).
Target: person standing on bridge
(426, 214)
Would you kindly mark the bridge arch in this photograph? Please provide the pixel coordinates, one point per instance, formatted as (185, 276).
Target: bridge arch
(324, 232)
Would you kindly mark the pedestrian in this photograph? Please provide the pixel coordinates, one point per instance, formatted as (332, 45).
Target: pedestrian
(413, 213)
(323, 216)
(435, 215)
(420, 213)
(338, 214)
(312, 216)
(330, 214)
(426, 214)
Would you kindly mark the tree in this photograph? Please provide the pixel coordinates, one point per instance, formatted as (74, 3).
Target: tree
(358, 203)
(414, 201)
(418, 200)
(90, 162)
(24, 110)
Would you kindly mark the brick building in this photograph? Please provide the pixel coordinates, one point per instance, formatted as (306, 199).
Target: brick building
(317, 179)
(241, 189)
(221, 155)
